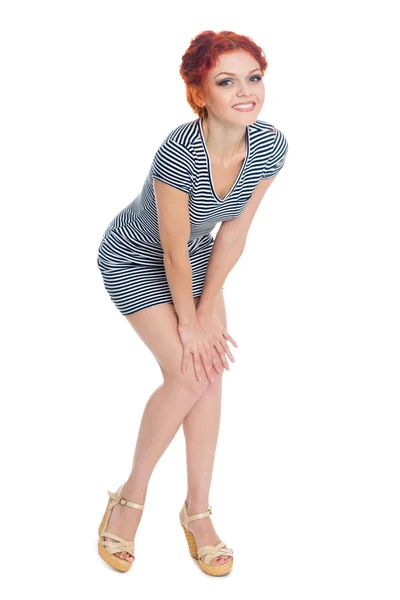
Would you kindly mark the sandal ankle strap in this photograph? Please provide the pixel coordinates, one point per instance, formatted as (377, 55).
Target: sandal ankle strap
(118, 499)
(188, 518)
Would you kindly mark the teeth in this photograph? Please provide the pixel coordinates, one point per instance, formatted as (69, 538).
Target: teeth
(243, 105)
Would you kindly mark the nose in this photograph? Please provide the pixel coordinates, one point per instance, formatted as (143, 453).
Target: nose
(244, 90)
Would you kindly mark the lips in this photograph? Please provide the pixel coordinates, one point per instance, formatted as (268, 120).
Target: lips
(243, 104)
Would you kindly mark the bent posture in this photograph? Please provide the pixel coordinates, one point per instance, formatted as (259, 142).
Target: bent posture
(164, 271)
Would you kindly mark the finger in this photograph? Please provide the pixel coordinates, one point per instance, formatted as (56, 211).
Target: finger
(217, 362)
(204, 349)
(227, 350)
(185, 360)
(216, 369)
(197, 366)
(222, 356)
(207, 366)
(230, 338)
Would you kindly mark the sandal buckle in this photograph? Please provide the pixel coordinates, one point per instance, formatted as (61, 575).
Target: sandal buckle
(210, 510)
(122, 501)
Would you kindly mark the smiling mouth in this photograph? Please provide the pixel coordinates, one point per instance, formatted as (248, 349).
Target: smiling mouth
(244, 105)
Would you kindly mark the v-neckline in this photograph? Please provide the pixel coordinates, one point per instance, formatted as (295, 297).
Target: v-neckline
(209, 162)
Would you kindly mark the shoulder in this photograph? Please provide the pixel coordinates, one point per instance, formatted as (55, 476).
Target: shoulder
(179, 143)
(184, 136)
(269, 137)
(263, 127)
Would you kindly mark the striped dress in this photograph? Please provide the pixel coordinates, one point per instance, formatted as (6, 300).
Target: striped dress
(130, 255)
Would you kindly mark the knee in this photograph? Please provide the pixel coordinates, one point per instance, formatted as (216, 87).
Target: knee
(187, 384)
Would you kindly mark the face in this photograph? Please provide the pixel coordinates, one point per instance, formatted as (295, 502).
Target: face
(244, 86)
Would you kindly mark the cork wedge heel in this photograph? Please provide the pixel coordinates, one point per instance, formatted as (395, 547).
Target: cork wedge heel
(106, 548)
(205, 554)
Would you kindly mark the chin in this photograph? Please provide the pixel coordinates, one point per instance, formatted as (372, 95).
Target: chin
(246, 117)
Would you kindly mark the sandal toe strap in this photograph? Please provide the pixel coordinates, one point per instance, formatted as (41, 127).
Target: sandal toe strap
(208, 553)
(120, 545)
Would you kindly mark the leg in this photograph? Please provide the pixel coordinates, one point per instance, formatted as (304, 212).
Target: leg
(164, 411)
(201, 428)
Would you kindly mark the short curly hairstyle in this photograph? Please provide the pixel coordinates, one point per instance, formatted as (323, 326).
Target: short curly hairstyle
(202, 56)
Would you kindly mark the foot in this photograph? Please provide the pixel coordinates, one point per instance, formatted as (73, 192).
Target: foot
(204, 532)
(124, 520)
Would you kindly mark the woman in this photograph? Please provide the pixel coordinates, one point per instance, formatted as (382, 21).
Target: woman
(165, 272)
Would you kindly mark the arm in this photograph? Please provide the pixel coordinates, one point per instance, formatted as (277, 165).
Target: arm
(228, 248)
(174, 226)
(224, 256)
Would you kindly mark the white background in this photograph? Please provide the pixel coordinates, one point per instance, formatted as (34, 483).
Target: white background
(306, 478)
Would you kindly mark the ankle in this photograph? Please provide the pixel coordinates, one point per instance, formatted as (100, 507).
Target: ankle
(137, 493)
(196, 504)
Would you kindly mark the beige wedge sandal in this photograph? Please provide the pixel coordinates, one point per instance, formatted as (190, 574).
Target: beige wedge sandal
(205, 554)
(106, 548)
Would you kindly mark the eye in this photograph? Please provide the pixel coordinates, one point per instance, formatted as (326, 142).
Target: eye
(257, 77)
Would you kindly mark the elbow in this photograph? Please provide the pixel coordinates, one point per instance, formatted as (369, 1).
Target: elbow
(234, 238)
(176, 256)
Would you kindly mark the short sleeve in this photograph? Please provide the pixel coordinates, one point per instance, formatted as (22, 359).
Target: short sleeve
(278, 156)
(173, 164)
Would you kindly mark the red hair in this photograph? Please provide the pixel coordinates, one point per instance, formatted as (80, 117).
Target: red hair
(202, 56)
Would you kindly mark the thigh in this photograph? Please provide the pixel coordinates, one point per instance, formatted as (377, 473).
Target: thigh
(148, 330)
(157, 327)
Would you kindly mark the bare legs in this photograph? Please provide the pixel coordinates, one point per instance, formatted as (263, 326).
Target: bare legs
(162, 417)
(201, 428)
(171, 405)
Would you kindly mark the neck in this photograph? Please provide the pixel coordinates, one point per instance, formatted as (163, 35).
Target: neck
(225, 142)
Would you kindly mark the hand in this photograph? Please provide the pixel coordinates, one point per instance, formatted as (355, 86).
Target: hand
(216, 336)
(194, 342)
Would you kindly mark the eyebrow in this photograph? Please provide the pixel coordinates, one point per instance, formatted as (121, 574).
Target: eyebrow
(226, 73)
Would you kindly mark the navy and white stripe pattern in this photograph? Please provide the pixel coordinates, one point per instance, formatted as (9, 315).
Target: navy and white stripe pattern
(130, 255)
